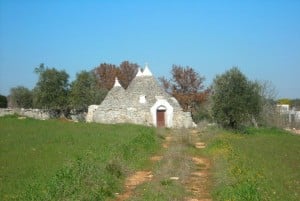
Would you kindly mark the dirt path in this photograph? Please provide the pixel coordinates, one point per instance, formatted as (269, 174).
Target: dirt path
(167, 142)
(140, 177)
(132, 182)
(197, 178)
(199, 181)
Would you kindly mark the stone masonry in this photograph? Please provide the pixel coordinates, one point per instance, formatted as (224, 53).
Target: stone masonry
(143, 102)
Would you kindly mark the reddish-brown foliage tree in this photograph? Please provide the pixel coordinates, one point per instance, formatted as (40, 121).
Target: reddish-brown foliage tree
(186, 85)
(166, 84)
(106, 74)
(127, 72)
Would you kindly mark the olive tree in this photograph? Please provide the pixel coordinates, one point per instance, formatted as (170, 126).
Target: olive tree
(51, 90)
(21, 97)
(235, 100)
(84, 91)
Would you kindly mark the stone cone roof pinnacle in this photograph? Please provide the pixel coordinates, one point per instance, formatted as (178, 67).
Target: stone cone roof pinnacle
(146, 71)
(117, 83)
(139, 73)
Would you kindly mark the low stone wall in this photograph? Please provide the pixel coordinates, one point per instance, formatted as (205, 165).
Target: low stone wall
(6, 111)
(183, 120)
(32, 113)
(90, 114)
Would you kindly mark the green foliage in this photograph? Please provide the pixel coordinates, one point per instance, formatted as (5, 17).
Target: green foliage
(202, 112)
(84, 92)
(21, 97)
(3, 101)
(263, 165)
(236, 100)
(284, 101)
(55, 160)
(51, 90)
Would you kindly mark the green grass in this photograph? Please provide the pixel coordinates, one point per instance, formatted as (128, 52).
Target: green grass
(163, 190)
(261, 165)
(56, 160)
(175, 162)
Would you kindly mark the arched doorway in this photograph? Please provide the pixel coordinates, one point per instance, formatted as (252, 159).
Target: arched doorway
(161, 116)
(162, 111)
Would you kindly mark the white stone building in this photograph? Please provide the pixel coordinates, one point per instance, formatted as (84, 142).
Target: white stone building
(143, 102)
(293, 115)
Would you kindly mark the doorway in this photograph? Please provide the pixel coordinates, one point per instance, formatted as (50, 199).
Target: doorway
(160, 117)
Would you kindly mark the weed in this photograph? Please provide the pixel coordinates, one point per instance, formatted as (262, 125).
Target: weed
(55, 160)
(166, 182)
(114, 168)
(258, 166)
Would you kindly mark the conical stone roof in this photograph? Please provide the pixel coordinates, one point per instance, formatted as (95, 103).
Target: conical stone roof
(115, 96)
(136, 103)
(145, 85)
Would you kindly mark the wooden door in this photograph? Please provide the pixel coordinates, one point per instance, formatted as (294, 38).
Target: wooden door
(160, 118)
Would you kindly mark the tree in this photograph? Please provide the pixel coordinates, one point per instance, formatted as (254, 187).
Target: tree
(21, 97)
(236, 100)
(84, 92)
(51, 90)
(106, 74)
(127, 72)
(186, 85)
(269, 115)
(3, 101)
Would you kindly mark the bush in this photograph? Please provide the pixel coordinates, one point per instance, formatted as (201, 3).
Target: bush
(3, 101)
(21, 97)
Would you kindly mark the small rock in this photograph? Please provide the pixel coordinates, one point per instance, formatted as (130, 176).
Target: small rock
(174, 178)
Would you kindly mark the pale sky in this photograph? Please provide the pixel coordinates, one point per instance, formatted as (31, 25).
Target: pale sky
(261, 37)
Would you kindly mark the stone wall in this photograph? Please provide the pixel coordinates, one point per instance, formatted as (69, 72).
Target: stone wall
(32, 113)
(91, 111)
(183, 120)
(122, 115)
(138, 104)
(6, 111)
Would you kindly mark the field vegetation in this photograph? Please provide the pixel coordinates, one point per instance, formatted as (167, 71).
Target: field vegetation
(58, 160)
(261, 165)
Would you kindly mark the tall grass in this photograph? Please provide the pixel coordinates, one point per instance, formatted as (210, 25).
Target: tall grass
(262, 165)
(55, 160)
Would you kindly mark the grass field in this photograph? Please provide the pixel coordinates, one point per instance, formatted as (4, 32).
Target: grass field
(59, 160)
(56, 160)
(261, 165)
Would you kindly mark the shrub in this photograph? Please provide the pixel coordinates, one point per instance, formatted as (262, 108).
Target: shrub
(3, 101)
